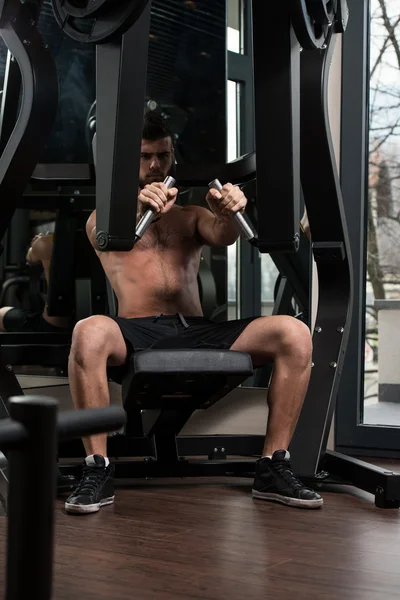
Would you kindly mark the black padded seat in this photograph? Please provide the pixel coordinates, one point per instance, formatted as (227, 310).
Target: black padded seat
(164, 361)
(176, 378)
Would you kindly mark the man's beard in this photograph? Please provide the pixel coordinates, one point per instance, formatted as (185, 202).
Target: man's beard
(156, 177)
(150, 179)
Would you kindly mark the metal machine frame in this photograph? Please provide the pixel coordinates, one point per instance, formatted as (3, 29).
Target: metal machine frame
(300, 130)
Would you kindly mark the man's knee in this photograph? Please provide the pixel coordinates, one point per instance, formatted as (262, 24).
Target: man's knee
(93, 340)
(295, 339)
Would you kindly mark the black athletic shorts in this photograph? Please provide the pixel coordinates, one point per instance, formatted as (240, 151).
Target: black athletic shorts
(19, 319)
(175, 331)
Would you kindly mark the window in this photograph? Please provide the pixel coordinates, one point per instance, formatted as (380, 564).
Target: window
(382, 372)
(233, 151)
(269, 275)
(234, 32)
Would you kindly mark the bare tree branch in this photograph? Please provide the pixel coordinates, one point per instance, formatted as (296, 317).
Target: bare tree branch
(377, 109)
(380, 56)
(383, 128)
(387, 136)
(383, 50)
(382, 90)
(384, 168)
(391, 30)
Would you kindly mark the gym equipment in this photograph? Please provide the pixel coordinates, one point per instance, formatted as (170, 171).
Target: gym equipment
(90, 128)
(30, 437)
(160, 393)
(244, 227)
(290, 154)
(311, 21)
(118, 110)
(294, 269)
(286, 155)
(39, 84)
(148, 217)
(277, 161)
(161, 390)
(331, 249)
(77, 283)
(141, 227)
(77, 289)
(96, 21)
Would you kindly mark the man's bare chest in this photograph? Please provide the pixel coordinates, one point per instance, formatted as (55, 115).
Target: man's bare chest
(169, 234)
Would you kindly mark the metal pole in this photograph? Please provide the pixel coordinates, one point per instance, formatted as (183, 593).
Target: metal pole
(31, 500)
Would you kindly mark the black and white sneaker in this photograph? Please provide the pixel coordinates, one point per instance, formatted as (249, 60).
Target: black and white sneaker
(95, 489)
(274, 480)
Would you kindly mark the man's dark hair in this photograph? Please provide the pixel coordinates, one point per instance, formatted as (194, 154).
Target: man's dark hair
(154, 126)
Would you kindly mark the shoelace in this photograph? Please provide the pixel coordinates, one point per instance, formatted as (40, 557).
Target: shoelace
(284, 469)
(91, 479)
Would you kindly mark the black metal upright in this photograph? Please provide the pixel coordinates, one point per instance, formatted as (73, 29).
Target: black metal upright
(277, 118)
(121, 89)
(332, 254)
(30, 436)
(31, 500)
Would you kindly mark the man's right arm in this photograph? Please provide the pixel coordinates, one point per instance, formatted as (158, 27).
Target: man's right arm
(155, 196)
(91, 227)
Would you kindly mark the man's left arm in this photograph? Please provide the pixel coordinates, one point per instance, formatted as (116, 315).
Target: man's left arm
(219, 228)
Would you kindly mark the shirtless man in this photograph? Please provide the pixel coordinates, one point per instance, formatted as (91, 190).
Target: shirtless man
(158, 297)
(19, 319)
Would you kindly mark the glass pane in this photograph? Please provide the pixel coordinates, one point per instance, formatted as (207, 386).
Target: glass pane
(233, 146)
(186, 80)
(232, 281)
(269, 276)
(75, 65)
(186, 76)
(382, 355)
(234, 26)
(233, 116)
(3, 61)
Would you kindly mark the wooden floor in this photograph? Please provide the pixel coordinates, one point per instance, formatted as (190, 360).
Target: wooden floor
(207, 539)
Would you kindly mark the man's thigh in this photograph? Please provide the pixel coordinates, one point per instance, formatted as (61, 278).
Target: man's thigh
(257, 339)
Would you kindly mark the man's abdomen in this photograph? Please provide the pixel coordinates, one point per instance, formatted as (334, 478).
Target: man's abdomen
(166, 293)
(150, 283)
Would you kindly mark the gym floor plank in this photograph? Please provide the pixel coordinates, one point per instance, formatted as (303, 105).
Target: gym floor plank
(208, 540)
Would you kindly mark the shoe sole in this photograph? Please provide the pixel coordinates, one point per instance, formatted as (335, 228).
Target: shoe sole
(297, 502)
(85, 509)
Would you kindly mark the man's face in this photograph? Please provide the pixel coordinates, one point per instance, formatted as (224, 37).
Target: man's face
(155, 160)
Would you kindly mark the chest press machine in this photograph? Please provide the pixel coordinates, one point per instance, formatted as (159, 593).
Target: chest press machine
(164, 387)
